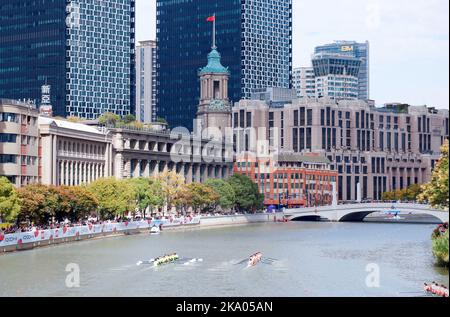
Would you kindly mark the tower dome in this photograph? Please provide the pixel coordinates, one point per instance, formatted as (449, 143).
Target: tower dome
(214, 64)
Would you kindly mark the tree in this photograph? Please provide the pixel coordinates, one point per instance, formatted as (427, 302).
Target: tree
(161, 120)
(129, 118)
(82, 203)
(409, 194)
(155, 194)
(227, 196)
(141, 188)
(9, 201)
(35, 207)
(115, 197)
(200, 197)
(171, 184)
(412, 192)
(74, 119)
(248, 197)
(436, 192)
(109, 119)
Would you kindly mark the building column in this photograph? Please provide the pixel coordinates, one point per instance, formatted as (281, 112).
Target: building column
(76, 178)
(85, 167)
(188, 172)
(147, 169)
(69, 173)
(55, 167)
(405, 176)
(419, 175)
(127, 169)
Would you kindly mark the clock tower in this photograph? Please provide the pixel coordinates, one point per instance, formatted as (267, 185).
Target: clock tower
(214, 110)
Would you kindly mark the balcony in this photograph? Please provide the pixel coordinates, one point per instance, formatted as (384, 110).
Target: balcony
(81, 156)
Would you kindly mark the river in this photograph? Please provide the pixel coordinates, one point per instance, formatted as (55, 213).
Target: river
(313, 259)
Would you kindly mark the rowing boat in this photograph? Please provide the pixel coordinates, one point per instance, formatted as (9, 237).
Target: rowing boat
(166, 259)
(254, 259)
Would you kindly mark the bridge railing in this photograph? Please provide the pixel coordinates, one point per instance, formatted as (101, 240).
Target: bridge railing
(376, 206)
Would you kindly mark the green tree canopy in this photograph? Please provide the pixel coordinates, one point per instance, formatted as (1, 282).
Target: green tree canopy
(141, 188)
(9, 201)
(81, 202)
(171, 185)
(37, 204)
(200, 197)
(227, 196)
(155, 194)
(129, 118)
(436, 192)
(115, 197)
(74, 119)
(109, 118)
(409, 194)
(248, 197)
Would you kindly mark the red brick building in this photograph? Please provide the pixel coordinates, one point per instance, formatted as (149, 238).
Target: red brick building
(291, 180)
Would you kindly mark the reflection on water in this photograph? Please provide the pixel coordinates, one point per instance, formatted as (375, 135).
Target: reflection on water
(313, 259)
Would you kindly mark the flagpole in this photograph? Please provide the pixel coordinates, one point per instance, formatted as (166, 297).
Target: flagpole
(214, 33)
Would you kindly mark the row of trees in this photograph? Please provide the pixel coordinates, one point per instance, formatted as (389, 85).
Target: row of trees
(408, 194)
(436, 193)
(109, 198)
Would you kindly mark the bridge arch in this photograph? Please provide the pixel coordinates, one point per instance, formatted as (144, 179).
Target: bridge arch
(358, 212)
(360, 216)
(310, 218)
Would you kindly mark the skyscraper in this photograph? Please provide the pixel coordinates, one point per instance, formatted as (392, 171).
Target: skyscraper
(255, 39)
(146, 81)
(336, 76)
(304, 82)
(83, 50)
(356, 50)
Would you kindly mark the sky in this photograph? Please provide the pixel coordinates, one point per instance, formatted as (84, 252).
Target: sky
(409, 42)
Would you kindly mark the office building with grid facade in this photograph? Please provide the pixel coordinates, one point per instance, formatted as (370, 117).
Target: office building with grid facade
(84, 50)
(255, 40)
(357, 50)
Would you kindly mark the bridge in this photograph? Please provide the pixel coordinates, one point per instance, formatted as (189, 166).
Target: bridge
(357, 212)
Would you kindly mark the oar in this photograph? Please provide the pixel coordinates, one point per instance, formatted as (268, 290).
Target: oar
(145, 262)
(241, 262)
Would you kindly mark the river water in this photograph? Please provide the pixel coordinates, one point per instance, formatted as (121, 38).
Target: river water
(313, 259)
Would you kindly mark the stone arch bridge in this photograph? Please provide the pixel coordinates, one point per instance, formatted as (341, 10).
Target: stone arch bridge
(357, 212)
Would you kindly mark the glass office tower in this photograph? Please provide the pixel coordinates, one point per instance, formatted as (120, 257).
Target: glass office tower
(356, 50)
(254, 38)
(83, 49)
(33, 50)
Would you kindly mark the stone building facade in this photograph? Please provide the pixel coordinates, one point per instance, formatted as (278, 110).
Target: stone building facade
(382, 149)
(19, 142)
(72, 153)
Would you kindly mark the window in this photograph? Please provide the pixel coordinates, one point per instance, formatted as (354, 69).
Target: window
(302, 116)
(242, 118)
(8, 138)
(9, 117)
(217, 89)
(249, 119)
(6, 158)
(309, 117)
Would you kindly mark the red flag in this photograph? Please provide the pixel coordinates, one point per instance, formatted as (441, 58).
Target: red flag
(211, 19)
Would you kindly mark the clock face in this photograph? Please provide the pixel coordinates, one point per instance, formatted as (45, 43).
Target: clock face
(218, 105)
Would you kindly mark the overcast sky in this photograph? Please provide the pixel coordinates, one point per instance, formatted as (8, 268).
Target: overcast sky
(409, 42)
